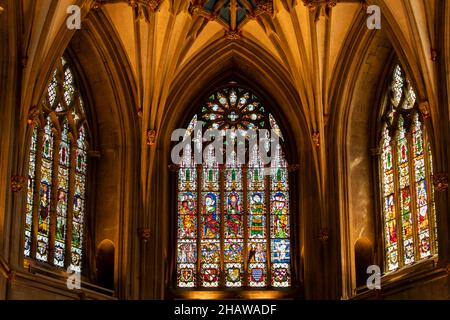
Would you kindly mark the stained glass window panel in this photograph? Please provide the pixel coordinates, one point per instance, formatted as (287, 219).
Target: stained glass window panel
(62, 175)
(406, 169)
(79, 201)
(45, 193)
(30, 192)
(242, 239)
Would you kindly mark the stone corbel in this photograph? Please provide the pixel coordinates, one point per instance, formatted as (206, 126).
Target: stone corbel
(320, 7)
(316, 138)
(144, 234)
(145, 8)
(440, 181)
(424, 108)
(17, 183)
(324, 235)
(151, 137)
(233, 34)
(262, 7)
(33, 114)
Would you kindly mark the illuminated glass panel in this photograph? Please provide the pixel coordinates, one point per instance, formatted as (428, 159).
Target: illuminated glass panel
(45, 193)
(30, 192)
(61, 165)
(62, 197)
(408, 197)
(233, 239)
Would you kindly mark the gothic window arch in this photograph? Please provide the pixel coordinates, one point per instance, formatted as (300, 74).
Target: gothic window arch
(56, 195)
(233, 225)
(409, 214)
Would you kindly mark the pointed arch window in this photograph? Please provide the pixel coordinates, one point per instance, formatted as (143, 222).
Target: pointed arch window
(409, 212)
(57, 170)
(233, 219)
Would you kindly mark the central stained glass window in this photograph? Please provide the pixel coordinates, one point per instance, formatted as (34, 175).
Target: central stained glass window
(233, 219)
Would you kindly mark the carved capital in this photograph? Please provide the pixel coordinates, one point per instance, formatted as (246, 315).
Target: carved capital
(264, 7)
(144, 234)
(151, 137)
(434, 54)
(233, 34)
(324, 235)
(316, 138)
(145, 8)
(33, 115)
(320, 7)
(424, 108)
(440, 181)
(17, 183)
(97, 4)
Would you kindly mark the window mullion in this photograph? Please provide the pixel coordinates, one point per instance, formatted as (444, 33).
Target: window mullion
(36, 196)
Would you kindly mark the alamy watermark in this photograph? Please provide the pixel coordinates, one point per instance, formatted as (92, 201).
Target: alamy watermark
(74, 279)
(74, 20)
(374, 280)
(374, 19)
(225, 146)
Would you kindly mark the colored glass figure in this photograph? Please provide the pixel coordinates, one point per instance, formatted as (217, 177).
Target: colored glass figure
(187, 251)
(233, 222)
(210, 250)
(233, 251)
(280, 221)
(257, 216)
(187, 216)
(210, 216)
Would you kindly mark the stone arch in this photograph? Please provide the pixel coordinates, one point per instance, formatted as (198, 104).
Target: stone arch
(250, 65)
(357, 92)
(104, 76)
